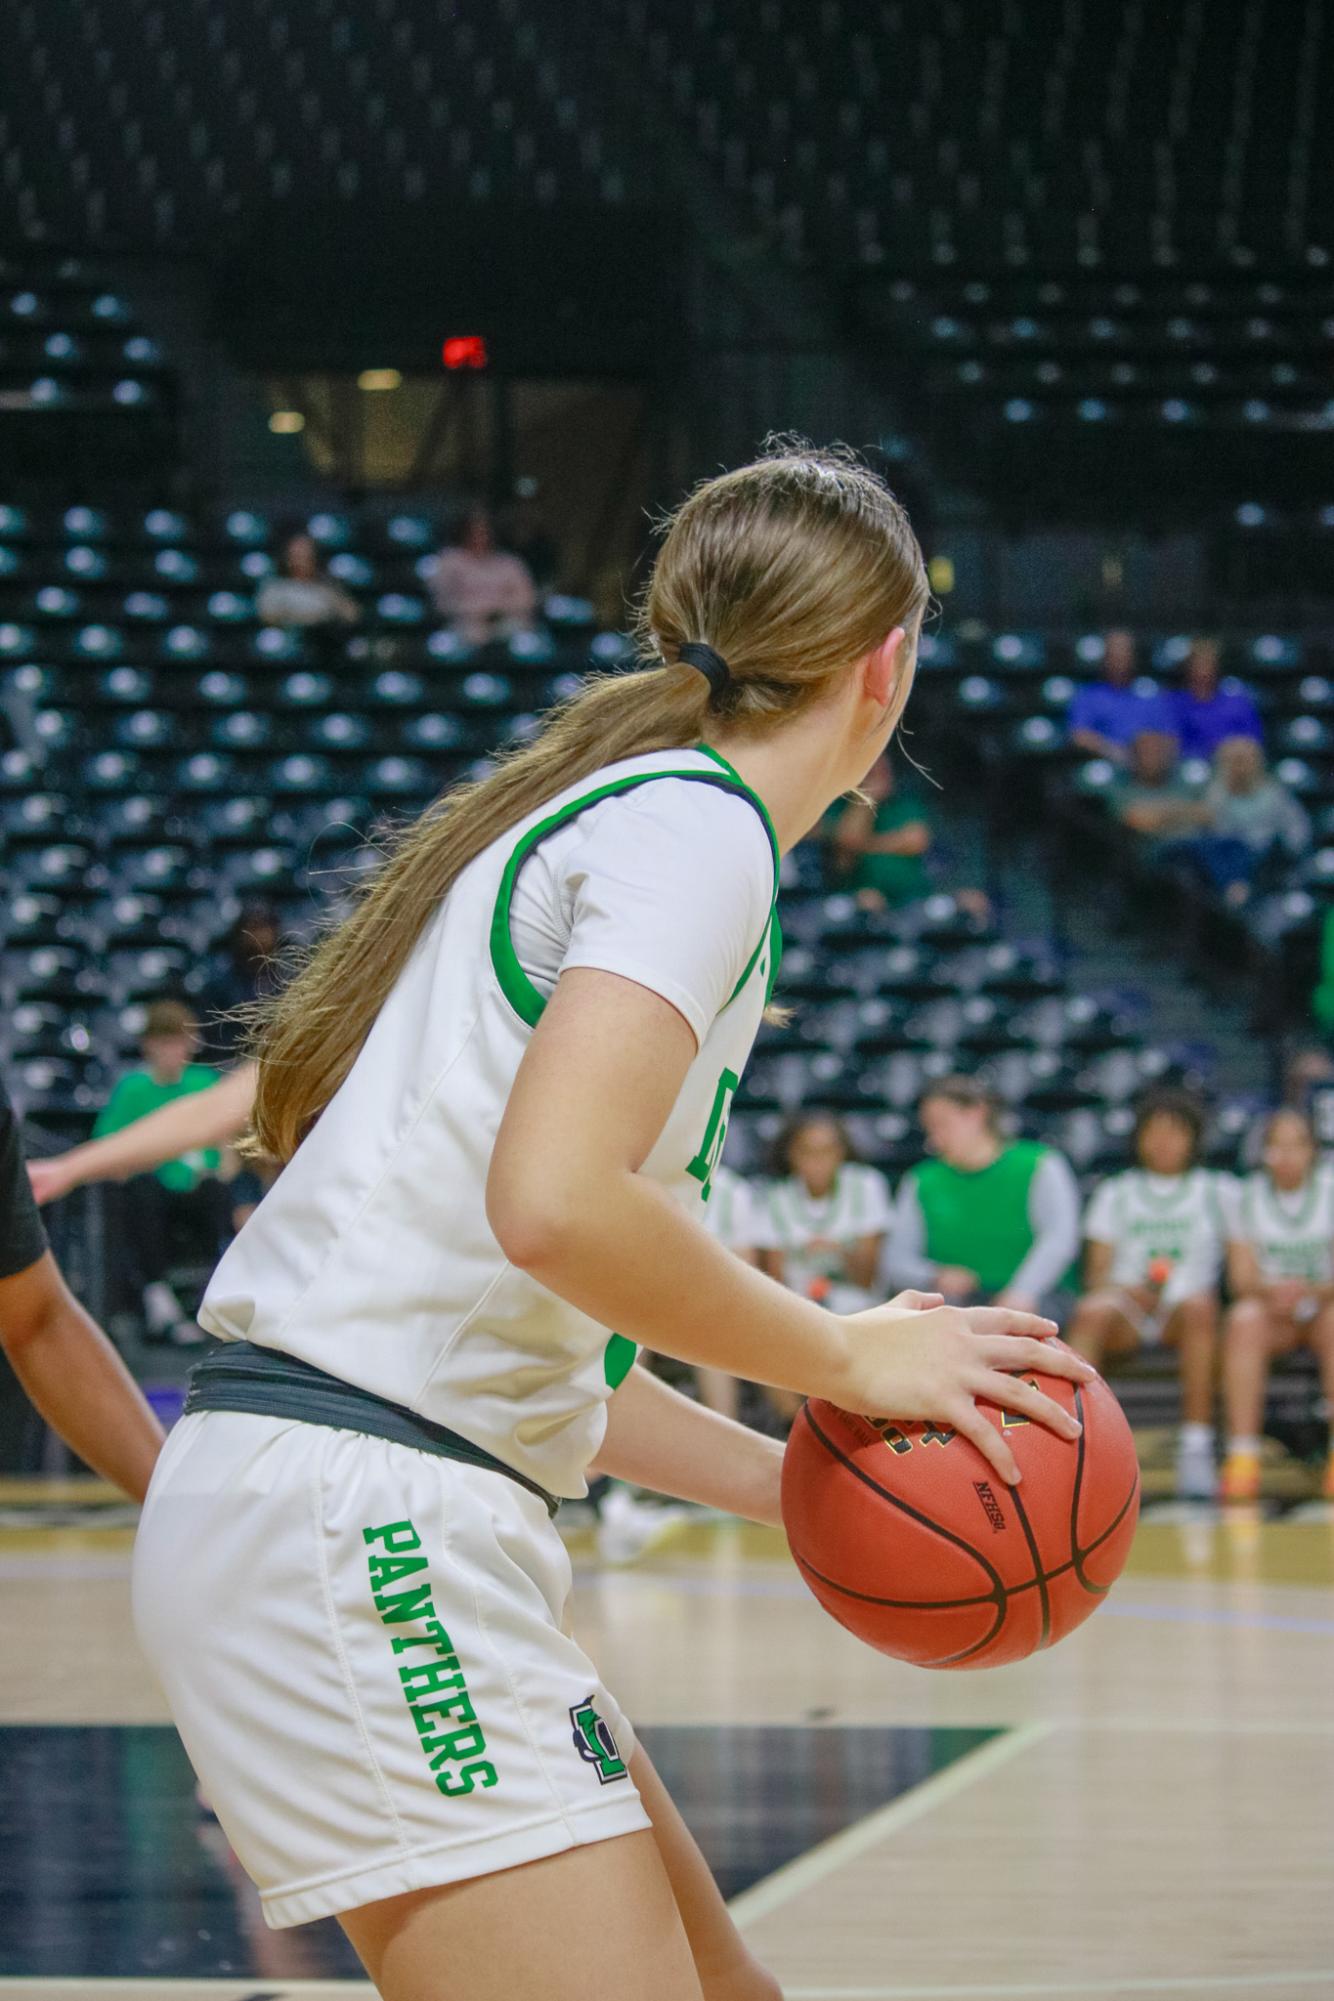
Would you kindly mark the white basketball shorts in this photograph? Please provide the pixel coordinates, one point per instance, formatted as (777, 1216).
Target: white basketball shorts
(366, 1652)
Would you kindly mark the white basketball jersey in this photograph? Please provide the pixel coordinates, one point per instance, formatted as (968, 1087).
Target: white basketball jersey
(800, 1224)
(372, 1258)
(1292, 1234)
(730, 1214)
(1176, 1219)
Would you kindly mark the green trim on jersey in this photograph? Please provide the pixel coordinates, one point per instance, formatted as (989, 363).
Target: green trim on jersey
(515, 984)
(979, 1218)
(618, 1358)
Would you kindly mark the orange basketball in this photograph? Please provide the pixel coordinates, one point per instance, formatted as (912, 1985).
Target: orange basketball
(906, 1535)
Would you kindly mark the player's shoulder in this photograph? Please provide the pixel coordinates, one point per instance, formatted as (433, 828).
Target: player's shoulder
(702, 803)
(682, 803)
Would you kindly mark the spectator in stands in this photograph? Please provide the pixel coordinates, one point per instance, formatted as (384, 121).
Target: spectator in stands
(1223, 835)
(303, 594)
(820, 1221)
(1152, 798)
(988, 1218)
(524, 533)
(482, 591)
(879, 844)
(1252, 814)
(248, 971)
(1206, 711)
(1108, 714)
(1281, 1275)
(1155, 1238)
(181, 1207)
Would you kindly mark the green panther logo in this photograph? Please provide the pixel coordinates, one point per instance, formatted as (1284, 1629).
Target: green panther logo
(595, 1744)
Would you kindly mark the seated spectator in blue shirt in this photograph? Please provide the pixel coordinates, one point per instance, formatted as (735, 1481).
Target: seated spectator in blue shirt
(1206, 711)
(1107, 715)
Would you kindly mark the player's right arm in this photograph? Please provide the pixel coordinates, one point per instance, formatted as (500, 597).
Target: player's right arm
(565, 1198)
(205, 1118)
(1243, 1270)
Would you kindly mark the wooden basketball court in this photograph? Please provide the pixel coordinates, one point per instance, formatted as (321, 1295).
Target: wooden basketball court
(1147, 1810)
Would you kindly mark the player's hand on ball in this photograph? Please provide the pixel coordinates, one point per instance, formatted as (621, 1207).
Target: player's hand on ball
(935, 1363)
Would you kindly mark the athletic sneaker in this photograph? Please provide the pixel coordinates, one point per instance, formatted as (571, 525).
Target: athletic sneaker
(1241, 1477)
(162, 1310)
(627, 1527)
(1197, 1477)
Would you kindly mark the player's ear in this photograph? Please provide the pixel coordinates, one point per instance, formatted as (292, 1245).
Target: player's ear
(880, 669)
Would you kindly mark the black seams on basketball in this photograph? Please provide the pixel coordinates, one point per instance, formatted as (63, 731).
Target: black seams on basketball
(910, 1540)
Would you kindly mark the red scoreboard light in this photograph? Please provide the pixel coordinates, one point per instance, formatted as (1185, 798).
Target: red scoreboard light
(465, 351)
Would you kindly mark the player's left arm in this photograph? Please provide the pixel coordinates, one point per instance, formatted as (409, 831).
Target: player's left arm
(75, 1377)
(659, 1439)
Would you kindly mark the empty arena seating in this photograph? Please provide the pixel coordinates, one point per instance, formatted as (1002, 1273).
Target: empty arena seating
(1043, 133)
(81, 381)
(172, 757)
(143, 124)
(858, 133)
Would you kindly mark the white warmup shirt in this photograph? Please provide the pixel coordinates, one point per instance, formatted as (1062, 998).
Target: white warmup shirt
(792, 1220)
(371, 1256)
(1176, 1217)
(731, 1211)
(1290, 1231)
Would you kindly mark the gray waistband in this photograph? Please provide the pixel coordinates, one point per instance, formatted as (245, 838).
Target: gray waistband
(263, 1382)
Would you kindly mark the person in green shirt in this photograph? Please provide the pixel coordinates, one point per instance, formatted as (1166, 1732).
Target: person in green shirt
(988, 1218)
(880, 843)
(179, 1209)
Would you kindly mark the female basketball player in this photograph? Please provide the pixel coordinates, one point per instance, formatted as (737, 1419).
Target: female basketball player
(1155, 1240)
(1281, 1270)
(821, 1221)
(500, 1088)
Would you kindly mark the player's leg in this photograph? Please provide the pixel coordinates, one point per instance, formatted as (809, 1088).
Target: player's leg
(596, 1920)
(727, 1971)
(1193, 1331)
(1249, 1339)
(1321, 1338)
(1101, 1329)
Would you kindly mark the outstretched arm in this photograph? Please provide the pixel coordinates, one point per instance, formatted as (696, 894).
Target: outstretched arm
(205, 1118)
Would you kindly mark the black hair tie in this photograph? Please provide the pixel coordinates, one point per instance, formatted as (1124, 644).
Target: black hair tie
(710, 664)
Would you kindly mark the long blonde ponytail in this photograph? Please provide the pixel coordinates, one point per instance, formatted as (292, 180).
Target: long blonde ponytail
(792, 568)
